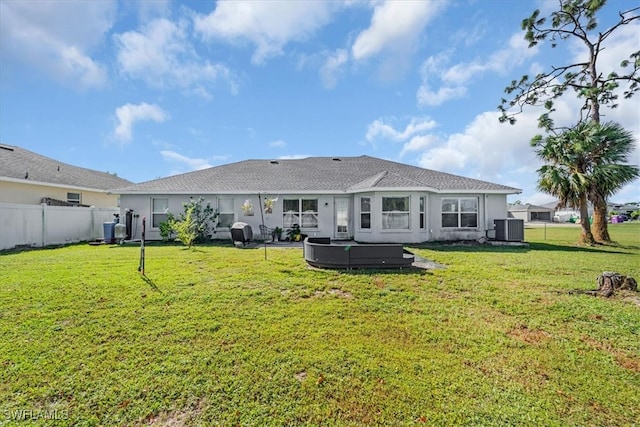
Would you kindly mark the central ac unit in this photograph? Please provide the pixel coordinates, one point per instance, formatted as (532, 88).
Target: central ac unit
(510, 230)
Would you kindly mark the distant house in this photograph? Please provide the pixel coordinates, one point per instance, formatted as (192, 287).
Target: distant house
(567, 213)
(623, 208)
(531, 213)
(29, 178)
(362, 198)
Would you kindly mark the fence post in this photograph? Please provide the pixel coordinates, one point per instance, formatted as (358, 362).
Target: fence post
(93, 220)
(44, 222)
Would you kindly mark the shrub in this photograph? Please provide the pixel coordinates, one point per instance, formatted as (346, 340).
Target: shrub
(186, 227)
(194, 225)
(166, 228)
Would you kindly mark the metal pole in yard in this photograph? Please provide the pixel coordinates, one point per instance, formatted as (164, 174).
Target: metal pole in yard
(141, 266)
(545, 231)
(262, 219)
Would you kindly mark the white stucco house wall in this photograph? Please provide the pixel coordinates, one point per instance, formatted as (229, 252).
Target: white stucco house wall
(363, 198)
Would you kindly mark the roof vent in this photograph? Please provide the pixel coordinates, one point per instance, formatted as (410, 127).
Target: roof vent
(274, 162)
(5, 147)
(336, 159)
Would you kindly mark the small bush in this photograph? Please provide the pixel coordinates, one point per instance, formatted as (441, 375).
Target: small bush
(166, 228)
(186, 228)
(194, 225)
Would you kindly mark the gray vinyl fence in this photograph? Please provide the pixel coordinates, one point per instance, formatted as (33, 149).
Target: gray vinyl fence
(43, 225)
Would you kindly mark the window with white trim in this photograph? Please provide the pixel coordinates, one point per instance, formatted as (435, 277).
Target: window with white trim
(460, 212)
(365, 212)
(74, 198)
(303, 212)
(423, 217)
(159, 211)
(395, 213)
(226, 216)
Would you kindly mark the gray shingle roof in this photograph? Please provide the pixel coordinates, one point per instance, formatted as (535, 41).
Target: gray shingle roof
(18, 163)
(312, 175)
(529, 207)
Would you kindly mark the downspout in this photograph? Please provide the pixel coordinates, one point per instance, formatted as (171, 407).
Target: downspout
(485, 219)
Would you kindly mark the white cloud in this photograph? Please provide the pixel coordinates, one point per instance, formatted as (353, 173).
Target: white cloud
(190, 163)
(453, 79)
(332, 68)
(267, 25)
(395, 25)
(499, 61)
(39, 34)
(428, 97)
(278, 144)
(435, 66)
(419, 143)
(148, 10)
(161, 55)
(129, 114)
(486, 148)
(380, 129)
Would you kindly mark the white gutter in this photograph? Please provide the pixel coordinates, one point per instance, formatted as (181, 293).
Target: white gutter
(49, 184)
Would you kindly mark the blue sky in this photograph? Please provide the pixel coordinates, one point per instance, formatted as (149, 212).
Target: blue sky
(148, 89)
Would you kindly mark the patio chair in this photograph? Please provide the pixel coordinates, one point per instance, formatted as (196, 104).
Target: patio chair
(266, 233)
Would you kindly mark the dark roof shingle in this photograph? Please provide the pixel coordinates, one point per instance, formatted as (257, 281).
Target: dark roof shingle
(18, 163)
(312, 175)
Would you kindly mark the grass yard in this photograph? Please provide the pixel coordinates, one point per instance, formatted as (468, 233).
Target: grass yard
(219, 336)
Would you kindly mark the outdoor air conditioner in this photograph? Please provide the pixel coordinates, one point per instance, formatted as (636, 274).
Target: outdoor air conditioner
(510, 230)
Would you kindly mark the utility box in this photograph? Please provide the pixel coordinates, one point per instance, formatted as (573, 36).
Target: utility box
(509, 230)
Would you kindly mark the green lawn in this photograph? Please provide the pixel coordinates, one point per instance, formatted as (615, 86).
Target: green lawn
(219, 336)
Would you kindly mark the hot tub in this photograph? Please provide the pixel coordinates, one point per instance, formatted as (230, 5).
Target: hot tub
(321, 252)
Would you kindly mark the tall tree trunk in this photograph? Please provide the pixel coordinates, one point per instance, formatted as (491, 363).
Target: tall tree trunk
(600, 227)
(586, 237)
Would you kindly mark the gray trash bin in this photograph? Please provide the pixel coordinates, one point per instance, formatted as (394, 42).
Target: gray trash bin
(109, 232)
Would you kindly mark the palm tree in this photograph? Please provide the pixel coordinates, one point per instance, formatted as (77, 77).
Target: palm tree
(613, 145)
(584, 164)
(565, 174)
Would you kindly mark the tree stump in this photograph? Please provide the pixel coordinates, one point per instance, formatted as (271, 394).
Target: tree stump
(609, 282)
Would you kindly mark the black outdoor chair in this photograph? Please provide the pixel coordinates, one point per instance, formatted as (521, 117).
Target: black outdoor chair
(266, 232)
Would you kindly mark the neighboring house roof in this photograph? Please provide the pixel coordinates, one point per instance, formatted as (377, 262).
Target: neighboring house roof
(529, 208)
(313, 175)
(551, 205)
(555, 207)
(20, 165)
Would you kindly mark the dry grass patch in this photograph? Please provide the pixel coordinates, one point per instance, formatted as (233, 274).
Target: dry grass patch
(530, 336)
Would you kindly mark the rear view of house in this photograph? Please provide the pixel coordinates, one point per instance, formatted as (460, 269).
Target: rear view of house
(362, 198)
